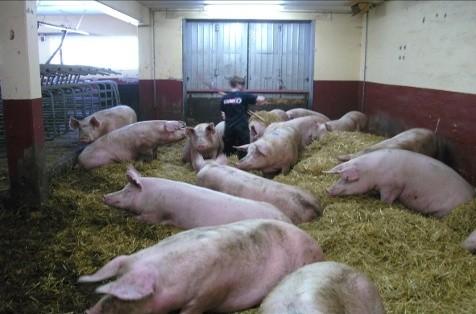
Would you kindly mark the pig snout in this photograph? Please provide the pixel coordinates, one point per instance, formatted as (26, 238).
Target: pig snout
(85, 140)
(333, 190)
(107, 199)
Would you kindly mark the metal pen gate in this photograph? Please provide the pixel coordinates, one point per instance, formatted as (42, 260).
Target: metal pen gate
(60, 102)
(274, 57)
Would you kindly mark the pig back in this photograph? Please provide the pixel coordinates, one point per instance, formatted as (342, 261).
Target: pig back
(300, 206)
(324, 287)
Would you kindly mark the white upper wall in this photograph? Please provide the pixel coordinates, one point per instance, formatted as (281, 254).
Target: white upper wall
(338, 47)
(337, 41)
(438, 40)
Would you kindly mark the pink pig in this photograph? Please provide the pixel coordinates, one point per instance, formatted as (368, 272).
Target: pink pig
(130, 142)
(324, 288)
(101, 122)
(275, 151)
(218, 269)
(420, 182)
(204, 138)
(184, 205)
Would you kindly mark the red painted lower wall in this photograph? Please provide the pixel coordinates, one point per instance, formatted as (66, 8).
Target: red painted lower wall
(393, 108)
(335, 98)
(168, 100)
(23, 129)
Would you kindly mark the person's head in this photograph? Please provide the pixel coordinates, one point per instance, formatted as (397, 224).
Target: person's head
(237, 82)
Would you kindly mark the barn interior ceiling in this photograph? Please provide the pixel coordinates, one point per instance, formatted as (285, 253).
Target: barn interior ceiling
(335, 6)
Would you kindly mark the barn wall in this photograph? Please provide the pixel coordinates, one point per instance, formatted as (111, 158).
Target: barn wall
(337, 56)
(100, 27)
(421, 73)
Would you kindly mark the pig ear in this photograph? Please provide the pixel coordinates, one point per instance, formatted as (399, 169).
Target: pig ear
(189, 131)
(350, 174)
(94, 122)
(133, 176)
(134, 285)
(328, 127)
(211, 128)
(253, 130)
(109, 270)
(263, 148)
(242, 147)
(73, 123)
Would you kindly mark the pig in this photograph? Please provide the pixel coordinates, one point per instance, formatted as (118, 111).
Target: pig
(300, 206)
(257, 129)
(186, 206)
(275, 151)
(351, 121)
(324, 288)
(301, 112)
(307, 127)
(281, 114)
(418, 140)
(470, 242)
(205, 139)
(220, 269)
(104, 121)
(130, 142)
(419, 182)
(260, 120)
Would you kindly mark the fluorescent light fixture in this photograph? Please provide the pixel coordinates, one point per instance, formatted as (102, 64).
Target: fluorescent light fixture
(242, 8)
(81, 7)
(244, 2)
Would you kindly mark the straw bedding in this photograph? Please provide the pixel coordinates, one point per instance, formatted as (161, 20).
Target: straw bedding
(415, 261)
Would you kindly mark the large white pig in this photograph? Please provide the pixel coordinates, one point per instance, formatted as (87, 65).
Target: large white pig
(275, 151)
(205, 139)
(301, 112)
(307, 127)
(300, 206)
(130, 142)
(281, 114)
(260, 120)
(418, 140)
(324, 288)
(219, 269)
(470, 242)
(419, 182)
(101, 122)
(351, 121)
(156, 200)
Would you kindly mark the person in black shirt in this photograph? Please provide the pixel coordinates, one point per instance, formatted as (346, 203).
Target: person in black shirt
(234, 107)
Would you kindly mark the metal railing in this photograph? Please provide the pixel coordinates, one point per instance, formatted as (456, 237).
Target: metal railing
(60, 102)
(56, 74)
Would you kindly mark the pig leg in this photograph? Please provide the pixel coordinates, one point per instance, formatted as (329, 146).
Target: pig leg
(390, 193)
(154, 152)
(109, 270)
